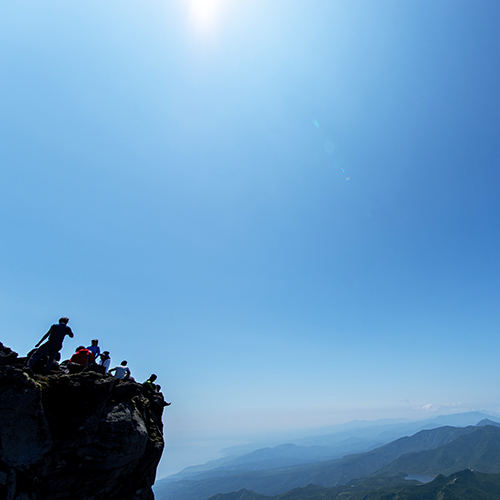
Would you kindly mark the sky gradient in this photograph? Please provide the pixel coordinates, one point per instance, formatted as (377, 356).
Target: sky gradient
(288, 210)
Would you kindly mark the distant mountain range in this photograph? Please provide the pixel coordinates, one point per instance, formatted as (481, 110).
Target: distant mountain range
(373, 431)
(285, 455)
(442, 450)
(462, 485)
(330, 443)
(477, 450)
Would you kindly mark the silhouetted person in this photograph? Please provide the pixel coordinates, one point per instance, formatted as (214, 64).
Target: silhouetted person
(122, 371)
(156, 400)
(159, 393)
(56, 336)
(148, 387)
(95, 349)
(105, 360)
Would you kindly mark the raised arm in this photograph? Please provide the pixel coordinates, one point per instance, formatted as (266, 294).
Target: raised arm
(43, 338)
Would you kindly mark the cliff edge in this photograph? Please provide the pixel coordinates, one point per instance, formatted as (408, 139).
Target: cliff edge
(82, 436)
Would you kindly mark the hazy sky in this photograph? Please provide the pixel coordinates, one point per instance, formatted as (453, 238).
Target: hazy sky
(287, 209)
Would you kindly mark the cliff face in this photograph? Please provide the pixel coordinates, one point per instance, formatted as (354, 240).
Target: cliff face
(79, 436)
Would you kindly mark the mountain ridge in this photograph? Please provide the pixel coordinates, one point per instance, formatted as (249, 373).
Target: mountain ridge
(461, 485)
(477, 450)
(366, 435)
(327, 473)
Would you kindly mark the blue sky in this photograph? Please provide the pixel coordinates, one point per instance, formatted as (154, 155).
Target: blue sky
(288, 210)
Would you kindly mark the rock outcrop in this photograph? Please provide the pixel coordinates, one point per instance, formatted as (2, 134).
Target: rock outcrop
(81, 436)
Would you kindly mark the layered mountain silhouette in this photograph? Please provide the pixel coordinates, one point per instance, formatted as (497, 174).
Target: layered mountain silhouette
(478, 450)
(444, 450)
(286, 455)
(487, 421)
(461, 485)
(329, 443)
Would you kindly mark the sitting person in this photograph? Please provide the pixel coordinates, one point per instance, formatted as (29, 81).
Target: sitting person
(105, 360)
(82, 356)
(148, 387)
(156, 400)
(122, 371)
(94, 348)
(39, 365)
(158, 390)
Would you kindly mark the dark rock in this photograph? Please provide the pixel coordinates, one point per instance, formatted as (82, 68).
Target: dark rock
(7, 356)
(81, 436)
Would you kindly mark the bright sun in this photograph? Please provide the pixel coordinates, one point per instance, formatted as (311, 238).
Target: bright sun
(204, 12)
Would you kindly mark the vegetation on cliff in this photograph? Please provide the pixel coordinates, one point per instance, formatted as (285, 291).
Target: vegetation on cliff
(82, 436)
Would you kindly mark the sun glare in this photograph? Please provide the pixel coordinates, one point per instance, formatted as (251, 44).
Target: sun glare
(204, 13)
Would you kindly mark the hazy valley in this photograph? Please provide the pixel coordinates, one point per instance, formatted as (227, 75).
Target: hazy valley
(356, 459)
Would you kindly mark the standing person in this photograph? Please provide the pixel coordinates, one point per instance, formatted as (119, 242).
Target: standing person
(105, 360)
(95, 349)
(56, 336)
(122, 371)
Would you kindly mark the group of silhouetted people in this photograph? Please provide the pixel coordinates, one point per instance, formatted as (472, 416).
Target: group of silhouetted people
(87, 359)
(84, 356)
(150, 388)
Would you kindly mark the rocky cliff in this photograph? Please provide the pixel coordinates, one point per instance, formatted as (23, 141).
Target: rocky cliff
(81, 436)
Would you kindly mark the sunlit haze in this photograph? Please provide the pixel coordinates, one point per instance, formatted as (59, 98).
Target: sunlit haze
(204, 13)
(287, 210)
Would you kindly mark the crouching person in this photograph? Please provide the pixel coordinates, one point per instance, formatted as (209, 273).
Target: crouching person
(82, 358)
